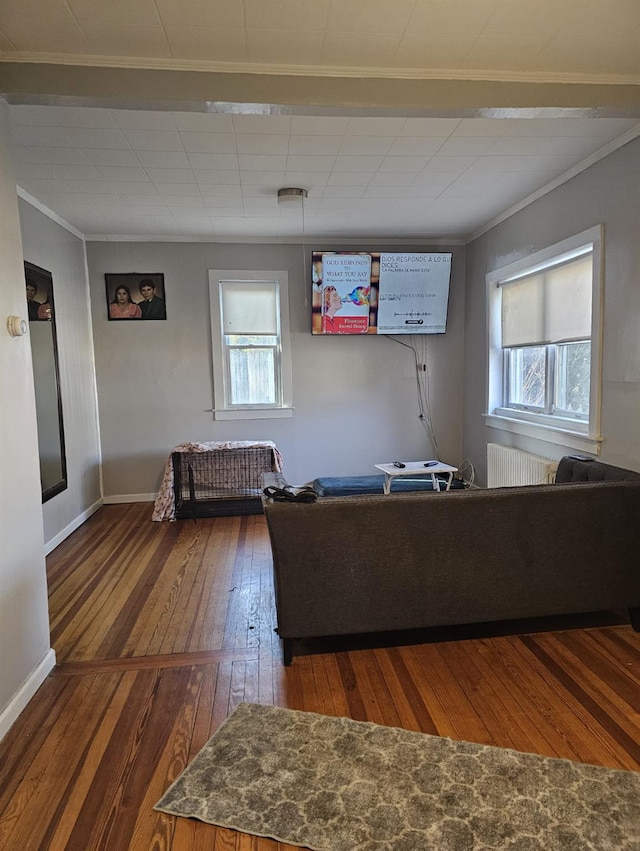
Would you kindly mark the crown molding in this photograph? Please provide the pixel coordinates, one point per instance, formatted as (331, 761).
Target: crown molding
(289, 70)
(598, 155)
(47, 212)
(318, 241)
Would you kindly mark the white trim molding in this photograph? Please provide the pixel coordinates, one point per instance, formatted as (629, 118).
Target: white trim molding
(117, 499)
(253, 414)
(464, 75)
(47, 212)
(71, 527)
(29, 687)
(559, 437)
(592, 159)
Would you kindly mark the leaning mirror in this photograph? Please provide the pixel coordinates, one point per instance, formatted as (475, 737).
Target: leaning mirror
(46, 376)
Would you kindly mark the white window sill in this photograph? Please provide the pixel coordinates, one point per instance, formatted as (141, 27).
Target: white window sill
(253, 414)
(581, 442)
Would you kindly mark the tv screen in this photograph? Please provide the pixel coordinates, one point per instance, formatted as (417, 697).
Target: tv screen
(380, 292)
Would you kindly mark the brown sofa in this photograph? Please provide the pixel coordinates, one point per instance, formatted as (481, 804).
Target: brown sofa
(362, 564)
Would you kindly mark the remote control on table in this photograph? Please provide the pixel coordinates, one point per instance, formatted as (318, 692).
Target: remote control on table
(399, 464)
(431, 463)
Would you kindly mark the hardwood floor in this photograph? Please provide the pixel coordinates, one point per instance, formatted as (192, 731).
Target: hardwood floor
(161, 629)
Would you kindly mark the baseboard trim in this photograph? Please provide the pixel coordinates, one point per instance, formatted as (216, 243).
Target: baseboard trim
(130, 497)
(29, 687)
(71, 527)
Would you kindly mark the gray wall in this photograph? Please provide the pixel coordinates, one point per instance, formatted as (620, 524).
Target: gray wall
(53, 247)
(24, 622)
(355, 398)
(607, 193)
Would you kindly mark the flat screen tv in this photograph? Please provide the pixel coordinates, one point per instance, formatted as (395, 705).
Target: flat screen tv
(380, 292)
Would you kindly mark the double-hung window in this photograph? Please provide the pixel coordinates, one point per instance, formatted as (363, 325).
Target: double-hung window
(250, 344)
(544, 344)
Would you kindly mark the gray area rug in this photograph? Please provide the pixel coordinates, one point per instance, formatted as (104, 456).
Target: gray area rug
(333, 784)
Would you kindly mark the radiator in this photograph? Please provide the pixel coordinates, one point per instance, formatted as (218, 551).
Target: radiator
(508, 467)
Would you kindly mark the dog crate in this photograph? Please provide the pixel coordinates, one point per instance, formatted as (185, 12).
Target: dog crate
(220, 482)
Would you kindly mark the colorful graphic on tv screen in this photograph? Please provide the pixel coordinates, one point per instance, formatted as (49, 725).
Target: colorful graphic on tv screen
(380, 292)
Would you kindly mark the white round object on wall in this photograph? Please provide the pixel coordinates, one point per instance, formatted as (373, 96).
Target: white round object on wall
(16, 326)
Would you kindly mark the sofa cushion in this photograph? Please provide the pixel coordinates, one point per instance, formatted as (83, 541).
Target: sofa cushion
(355, 485)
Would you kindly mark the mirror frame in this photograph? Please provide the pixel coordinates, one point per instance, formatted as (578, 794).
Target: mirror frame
(43, 280)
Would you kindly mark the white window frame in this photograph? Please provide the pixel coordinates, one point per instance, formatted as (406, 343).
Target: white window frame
(222, 410)
(580, 436)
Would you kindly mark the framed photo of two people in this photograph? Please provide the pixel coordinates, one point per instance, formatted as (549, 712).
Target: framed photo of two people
(135, 295)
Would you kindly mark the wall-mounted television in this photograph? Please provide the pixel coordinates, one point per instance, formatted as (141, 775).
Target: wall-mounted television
(379, 292)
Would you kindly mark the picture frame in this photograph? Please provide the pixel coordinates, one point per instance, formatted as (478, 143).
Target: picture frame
(135, 295)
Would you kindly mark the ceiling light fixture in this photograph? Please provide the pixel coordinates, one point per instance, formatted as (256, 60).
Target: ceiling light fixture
(293, 198)
(290, 196)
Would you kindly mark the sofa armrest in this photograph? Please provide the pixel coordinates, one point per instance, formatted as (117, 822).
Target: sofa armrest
(573, 469)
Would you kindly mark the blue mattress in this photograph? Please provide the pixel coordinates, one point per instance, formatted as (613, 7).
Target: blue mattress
(355, 485)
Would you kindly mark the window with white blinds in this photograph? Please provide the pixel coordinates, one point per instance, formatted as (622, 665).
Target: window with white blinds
(544, 343)
(250, 344)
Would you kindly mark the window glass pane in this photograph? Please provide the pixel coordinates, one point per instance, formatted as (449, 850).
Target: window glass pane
(252, 376)
(573, 378)
(527, 376)
(250, 340)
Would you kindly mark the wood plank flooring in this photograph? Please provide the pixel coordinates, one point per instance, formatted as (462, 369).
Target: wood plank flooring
(161, 629)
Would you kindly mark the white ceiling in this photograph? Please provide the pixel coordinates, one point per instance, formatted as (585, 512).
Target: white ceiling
(145, 173)
(155, 173)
